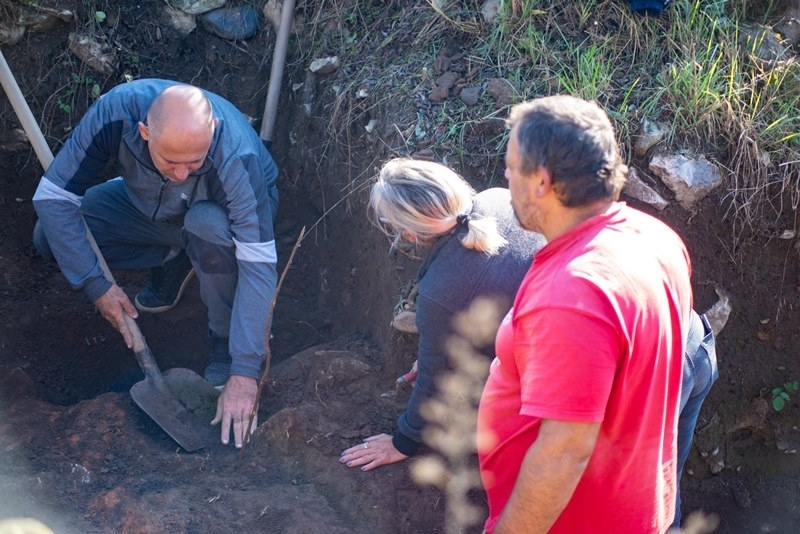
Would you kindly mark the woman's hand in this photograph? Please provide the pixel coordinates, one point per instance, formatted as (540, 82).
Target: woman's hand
(374, 452)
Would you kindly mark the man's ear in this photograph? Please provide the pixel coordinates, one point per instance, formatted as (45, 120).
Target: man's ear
(545, 182)
(143, 131)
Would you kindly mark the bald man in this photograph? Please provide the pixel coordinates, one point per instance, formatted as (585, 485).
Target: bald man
(195, 194)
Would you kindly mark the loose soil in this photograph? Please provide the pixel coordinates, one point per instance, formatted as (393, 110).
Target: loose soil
(80, 456)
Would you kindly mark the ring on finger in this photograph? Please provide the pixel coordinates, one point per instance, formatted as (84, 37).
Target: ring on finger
(366, 445)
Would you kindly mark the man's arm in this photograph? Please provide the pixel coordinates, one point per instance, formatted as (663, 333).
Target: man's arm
(76, 168)
(246, 193)
(548, 477)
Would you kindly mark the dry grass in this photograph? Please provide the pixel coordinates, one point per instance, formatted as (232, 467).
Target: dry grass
(691, 69)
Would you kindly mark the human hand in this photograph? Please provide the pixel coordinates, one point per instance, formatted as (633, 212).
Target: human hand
(234, 407)
(112, 305)
(374, 452)
(410, 377)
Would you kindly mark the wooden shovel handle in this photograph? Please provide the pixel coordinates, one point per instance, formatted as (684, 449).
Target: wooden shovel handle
(45, 155)
(276, 73)
(24, 114)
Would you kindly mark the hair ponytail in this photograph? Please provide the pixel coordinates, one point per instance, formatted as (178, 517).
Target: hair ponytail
(429, 200)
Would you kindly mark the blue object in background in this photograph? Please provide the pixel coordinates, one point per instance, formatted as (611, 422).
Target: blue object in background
(652, 8)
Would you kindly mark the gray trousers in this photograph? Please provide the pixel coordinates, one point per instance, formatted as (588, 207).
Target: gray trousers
(130, 240)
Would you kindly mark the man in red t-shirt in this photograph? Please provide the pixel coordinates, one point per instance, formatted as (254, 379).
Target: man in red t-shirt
(577, 423)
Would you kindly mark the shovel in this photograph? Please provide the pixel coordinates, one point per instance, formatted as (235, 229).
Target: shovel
(276, 74)
(180, 400)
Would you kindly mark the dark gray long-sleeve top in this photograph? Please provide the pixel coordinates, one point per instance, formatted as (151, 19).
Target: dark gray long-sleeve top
(450, 278)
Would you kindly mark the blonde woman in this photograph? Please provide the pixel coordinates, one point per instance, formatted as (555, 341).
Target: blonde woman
(473, 247)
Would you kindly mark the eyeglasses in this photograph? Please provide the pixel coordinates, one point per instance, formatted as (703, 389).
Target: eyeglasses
(397, 243)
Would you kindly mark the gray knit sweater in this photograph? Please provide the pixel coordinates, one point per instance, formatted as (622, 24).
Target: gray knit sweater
(450, 278)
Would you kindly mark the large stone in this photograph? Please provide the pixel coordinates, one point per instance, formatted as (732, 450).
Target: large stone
(470, 95)
(16, 140)
(789, 28)
(762, 43)
(95, 54)
(182, 22)
(324, 65)
(636, 188)
(718, 314)
(490, 11)
(23, 526)
(502, 90)
(10, 34)
(272, 12)
(405, 321)
(289, 428)
(443, 85)
(231, 22)
(691, 179)
(42, 19)
(196, 7)
(650, 133)
(346, 369)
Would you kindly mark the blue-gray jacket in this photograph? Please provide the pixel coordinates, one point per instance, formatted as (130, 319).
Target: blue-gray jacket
(450, 278)
(238, 174)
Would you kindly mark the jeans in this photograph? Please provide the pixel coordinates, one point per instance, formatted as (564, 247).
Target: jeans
(130, 240)
(699, 374)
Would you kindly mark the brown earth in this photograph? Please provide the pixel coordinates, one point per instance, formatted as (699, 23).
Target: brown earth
(79, 455)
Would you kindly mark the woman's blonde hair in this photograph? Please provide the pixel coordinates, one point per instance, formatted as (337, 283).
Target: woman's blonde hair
(429, 200)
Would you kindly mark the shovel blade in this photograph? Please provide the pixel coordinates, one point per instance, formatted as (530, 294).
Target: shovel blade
(183, 410)
(194, 392)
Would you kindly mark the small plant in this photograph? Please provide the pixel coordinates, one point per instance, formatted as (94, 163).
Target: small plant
(64, 106)
(64, 102)
(77, 86)
(100, 16)
(780, 395)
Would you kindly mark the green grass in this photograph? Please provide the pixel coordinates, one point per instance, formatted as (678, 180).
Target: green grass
(694, 69)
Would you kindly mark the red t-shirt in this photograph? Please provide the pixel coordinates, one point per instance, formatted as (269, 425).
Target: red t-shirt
(595, 335)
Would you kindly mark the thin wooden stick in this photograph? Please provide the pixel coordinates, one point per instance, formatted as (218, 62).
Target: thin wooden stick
(265, 374)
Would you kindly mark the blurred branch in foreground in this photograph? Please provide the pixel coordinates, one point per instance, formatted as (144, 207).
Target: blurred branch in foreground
(453, 417)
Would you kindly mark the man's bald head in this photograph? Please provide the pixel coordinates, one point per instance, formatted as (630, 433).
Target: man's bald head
(179, 130)
(180, 110)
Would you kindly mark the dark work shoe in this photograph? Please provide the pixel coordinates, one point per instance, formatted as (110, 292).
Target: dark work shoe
(217, 371)
(167, 284)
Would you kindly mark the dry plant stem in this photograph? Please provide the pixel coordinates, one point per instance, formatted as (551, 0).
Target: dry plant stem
(265, 374)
